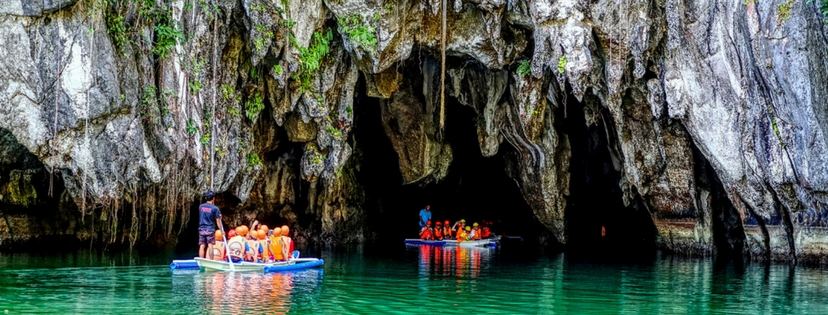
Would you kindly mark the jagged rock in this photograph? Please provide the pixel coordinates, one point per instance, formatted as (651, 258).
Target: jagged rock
(712, 111)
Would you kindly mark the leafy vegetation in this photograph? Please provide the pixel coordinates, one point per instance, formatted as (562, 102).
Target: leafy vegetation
(253, 106)
(277, 69)
(117, 29)
(823, 8)
(562, 64)
(525, 68)
(361, 34)
(191, 126)
(334, 132)
(253, 160)
(783, 11)
(311, 58)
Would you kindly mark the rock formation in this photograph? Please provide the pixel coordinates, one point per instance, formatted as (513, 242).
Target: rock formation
(712, 112)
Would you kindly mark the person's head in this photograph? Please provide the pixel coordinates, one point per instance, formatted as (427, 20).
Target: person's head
(475, 224)
(468, 228)
(218, 235)
(231, 234)
(254, 234)
(277, 231)
(285, 230)
(210, 195)
(239, 231)
(462, 222)
(446, 223)
(261, 235)
(244, 230)
(428, 207)
(428, 223)
(440, 224)
(264, 227)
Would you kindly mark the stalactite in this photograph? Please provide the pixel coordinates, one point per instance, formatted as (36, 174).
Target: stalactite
(213, 115)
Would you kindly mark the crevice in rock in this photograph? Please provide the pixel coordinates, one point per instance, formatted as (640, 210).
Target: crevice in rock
(728, 232)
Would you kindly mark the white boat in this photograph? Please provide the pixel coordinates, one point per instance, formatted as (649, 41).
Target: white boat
(475, 243)
(216, 265)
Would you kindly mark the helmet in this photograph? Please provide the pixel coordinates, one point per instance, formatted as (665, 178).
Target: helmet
(439, 223)
(254, 234)
(475, 224)
(428, 222)
(285, 230)
(261, 235)
(218, 235)
(264, 227)
(231, 233)
(462, 220)
(468, 228)
(446, 222)
(277, 231)
(244, 230)
(239, 231)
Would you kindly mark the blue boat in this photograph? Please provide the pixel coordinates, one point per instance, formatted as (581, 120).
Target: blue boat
(305, 263)
(183, 264)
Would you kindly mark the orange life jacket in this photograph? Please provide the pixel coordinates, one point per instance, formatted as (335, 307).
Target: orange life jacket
(438, 234)
(486, 232)
(265, 256)
(426, 234)
(459, 232)
(447, 231)
(276, 248)
(218, 251)
(477, 235)
(462, 236)
(236, 248)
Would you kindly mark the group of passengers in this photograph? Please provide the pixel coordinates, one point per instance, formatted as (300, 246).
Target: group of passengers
(444, 231)
(459, 231)
(256, 244)
(260, 244)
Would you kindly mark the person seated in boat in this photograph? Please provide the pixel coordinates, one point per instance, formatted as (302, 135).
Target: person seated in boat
(278, 250)
(438, 231)
(218, 248)
(287, 241)
(463, 235)
(447, 232)
(485, 231)
(459, 226)
(237, 246)
(261, 239)
(254, 251)
(475, 232)
(265, 229)
(426, 233)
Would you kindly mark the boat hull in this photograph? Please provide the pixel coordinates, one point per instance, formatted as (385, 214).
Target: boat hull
(300, 264)
(215, 265)
(416, 241)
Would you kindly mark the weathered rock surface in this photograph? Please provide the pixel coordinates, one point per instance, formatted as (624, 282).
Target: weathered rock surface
(713, 111)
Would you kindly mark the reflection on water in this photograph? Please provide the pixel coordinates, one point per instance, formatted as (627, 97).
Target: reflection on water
(413, 280)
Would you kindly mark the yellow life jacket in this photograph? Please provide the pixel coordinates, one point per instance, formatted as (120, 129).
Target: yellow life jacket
(276, 248)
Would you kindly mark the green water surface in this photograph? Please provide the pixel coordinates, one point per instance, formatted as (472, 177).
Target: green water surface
(408, 280)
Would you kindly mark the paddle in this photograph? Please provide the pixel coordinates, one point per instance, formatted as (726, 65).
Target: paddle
(226, 247)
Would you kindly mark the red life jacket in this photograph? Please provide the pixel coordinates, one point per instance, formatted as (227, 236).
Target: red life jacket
(486, 232)
(426, 234)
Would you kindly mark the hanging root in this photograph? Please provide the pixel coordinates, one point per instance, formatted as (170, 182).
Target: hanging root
(443, 70)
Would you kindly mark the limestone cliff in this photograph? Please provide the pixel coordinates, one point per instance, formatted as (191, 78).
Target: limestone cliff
(712, 112)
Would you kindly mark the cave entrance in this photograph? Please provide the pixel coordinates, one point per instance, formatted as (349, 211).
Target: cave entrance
(475, 187)
(595, 199)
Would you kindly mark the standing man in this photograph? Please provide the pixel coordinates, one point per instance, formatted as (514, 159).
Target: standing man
(425, 216)
(209, 219)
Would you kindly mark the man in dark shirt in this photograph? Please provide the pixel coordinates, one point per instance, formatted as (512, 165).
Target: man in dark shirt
(209, 219)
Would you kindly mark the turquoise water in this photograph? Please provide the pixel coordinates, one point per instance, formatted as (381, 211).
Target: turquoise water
(409, 280)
